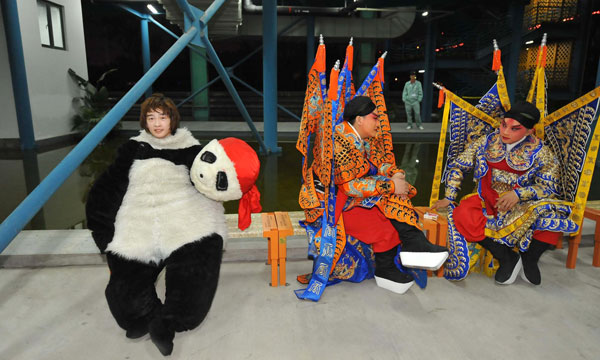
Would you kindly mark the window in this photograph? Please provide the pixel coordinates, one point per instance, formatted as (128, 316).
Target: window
(50, 18)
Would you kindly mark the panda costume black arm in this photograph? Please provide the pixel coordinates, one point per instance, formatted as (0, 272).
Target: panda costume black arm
(107, 193)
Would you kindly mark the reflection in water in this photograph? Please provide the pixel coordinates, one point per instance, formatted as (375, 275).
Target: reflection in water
(279, 180)
(269, 166)
(410, 161)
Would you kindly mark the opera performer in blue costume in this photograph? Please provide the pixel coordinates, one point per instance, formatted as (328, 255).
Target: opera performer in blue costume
(517, 203)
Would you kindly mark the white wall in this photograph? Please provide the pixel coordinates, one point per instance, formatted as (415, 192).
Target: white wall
(51, 89)
(8, 123)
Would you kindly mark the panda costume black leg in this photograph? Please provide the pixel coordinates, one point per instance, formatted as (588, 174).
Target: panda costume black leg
(131, 294)
(192, 274)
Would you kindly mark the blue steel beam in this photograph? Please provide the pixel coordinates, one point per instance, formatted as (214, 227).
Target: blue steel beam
(261, 94)
(18, 73)
(212, 54)
(145, 50)
(269, 18)
(214, 59)
(211, 10)
(187, 9)
(283, 31)
(199, 91)
(32, 203)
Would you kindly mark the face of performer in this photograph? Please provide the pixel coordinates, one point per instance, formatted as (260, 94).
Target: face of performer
(158, 123)
(368, 125)
(413, 77)
(512, 131)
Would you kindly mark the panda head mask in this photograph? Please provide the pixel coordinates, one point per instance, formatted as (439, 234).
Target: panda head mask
(226, 170)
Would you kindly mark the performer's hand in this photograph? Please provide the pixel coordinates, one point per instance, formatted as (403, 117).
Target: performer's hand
(442, 203)
(507, 201)
(400, 187)
(399, 175)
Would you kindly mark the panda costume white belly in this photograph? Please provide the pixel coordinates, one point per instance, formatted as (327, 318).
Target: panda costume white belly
(161, 210)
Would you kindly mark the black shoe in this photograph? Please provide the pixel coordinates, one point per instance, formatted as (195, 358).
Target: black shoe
(510, 261)
(530, 258)
(162, 336)
(388, 276)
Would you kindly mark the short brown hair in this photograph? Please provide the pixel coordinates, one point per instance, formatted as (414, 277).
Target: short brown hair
(158, 101)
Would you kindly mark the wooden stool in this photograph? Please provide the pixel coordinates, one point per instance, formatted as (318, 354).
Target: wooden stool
(276, 228)
(436, 230)
(574, 241)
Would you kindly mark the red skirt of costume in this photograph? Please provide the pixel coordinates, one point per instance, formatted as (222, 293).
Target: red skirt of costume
(371, 227)
(468, 215)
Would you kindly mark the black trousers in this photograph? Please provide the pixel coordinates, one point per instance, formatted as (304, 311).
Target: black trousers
(408, 233)
(192, 274)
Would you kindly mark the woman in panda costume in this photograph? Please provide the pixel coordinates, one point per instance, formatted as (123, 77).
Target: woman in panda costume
(146, 215)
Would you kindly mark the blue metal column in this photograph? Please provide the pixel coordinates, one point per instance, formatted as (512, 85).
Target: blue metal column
(18, 74)
(270, 74)
(145, 50)
(516, 24)
(310, 42)
(426, 105)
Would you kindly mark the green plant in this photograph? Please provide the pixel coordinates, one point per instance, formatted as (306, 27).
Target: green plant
(93, 105)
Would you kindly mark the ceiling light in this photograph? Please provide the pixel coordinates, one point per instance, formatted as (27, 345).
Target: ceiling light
(528, 42)
(425, 13)
(421, 71)
(152, 9)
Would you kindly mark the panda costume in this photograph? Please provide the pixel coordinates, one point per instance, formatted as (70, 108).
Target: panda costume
(148, 212)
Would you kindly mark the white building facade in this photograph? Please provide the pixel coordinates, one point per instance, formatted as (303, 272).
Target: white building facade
(52, 38)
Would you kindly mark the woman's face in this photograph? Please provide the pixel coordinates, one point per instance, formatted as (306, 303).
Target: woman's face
(512, 131)
(158, 123)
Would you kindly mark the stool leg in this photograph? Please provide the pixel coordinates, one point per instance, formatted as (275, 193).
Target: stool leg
(559, 244)
(282, 258)
(269, 252)
(596, 259)
(274, 259)
(442, 240)
(574, 242)
(432, 235)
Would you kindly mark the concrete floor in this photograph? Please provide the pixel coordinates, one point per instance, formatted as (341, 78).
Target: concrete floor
(61, 313)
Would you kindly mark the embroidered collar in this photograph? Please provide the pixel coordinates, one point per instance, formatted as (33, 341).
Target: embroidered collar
(520, 156)
(348, 131)
(356, 132)
(509, 147)
(182, 139)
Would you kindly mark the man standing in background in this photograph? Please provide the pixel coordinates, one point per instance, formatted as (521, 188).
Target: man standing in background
(412, 96)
